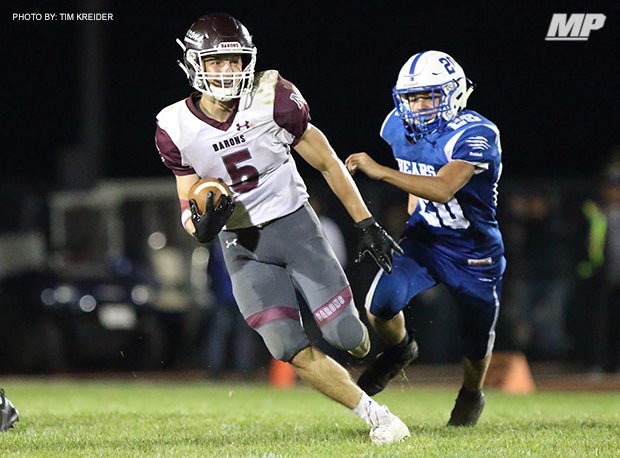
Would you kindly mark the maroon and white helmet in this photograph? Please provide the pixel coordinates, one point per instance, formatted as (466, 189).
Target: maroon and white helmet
(212, 35)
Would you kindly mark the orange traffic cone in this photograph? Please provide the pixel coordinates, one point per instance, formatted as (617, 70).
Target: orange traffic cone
(511, 373)
(281, 374)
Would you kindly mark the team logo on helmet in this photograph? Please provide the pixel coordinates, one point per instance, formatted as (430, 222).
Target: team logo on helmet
(194, 37)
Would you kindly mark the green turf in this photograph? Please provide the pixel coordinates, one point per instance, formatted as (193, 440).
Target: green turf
(194, 419)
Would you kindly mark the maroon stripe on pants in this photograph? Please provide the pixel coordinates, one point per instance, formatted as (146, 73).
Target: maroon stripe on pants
(256, 320)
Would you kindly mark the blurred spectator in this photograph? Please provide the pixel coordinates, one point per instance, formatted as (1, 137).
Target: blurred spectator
(229, 344)
(595, 311)
(537, 283)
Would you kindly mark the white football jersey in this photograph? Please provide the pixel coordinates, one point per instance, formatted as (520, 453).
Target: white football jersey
(251, 151)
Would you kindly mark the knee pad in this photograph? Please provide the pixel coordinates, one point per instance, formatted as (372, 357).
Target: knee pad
(345, 332)
(283, 338)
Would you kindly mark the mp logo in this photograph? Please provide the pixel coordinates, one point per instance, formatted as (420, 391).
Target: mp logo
(574, 27)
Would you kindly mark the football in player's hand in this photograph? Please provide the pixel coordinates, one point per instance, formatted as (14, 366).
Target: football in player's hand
(201, 189)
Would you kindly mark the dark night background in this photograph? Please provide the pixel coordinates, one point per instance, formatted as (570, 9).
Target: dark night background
(556, 103)
(76, 114)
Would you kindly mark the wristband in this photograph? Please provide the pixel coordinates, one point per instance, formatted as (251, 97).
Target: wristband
(363, 224)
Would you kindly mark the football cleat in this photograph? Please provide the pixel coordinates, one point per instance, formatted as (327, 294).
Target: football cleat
(8, 413)
(467, 408)
(387, 427)
(386, 366)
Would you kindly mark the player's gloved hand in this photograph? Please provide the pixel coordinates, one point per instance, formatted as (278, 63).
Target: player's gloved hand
(374, 240)
(213, 219)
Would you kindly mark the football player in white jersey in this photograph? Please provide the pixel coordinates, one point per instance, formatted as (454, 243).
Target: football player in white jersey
(449, 164)
(242, 127)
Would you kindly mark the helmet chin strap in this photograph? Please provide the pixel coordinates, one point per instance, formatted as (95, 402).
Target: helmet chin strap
(221, 97)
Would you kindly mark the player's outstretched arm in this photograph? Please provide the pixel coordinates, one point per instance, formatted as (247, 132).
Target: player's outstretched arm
(373, 239)
(440, 188)
(316, 150)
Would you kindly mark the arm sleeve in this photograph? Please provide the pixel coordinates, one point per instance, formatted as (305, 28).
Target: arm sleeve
(291, 111)
(170, 154)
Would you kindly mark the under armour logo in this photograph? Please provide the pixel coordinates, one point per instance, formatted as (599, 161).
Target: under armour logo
(242, 126)
(230, 243)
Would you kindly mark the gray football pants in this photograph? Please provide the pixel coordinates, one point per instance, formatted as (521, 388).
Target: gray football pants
(268, 264)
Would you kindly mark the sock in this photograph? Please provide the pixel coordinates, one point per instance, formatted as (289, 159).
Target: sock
(403, 343)
(368, 409)
(469, 394)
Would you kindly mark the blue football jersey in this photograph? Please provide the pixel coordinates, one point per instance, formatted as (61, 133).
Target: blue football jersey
(465, 228)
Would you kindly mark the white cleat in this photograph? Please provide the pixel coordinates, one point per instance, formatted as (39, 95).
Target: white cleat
(387, 428)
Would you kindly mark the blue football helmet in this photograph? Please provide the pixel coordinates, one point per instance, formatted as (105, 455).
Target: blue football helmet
(443, 79)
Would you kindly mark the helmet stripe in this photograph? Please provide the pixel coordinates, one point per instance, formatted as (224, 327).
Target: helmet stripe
(415, 61)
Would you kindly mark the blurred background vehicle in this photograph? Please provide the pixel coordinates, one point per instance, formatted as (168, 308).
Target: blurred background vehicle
(111, 282)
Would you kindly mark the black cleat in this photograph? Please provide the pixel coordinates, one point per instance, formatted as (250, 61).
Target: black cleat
(8, 413)
(467, 408)
(386, 366)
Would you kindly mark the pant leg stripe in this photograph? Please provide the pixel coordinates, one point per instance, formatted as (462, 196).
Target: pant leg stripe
(278, 312)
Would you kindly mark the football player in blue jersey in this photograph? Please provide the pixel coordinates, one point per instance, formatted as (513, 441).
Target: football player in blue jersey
(449, 161)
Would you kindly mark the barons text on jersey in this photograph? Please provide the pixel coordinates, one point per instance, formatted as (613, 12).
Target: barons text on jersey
(228, 142)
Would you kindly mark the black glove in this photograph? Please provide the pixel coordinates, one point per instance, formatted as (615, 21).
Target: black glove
(213, 219)
(375, 241)
(8, 413)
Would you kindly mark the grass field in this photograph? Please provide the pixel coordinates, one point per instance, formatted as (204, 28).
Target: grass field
(108, 418)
